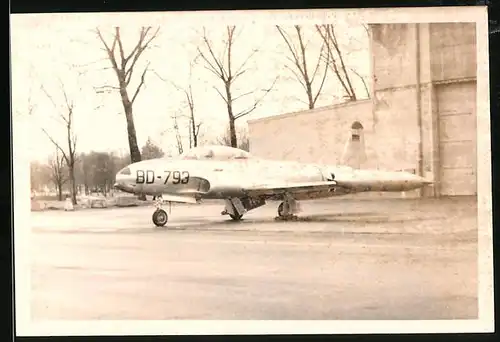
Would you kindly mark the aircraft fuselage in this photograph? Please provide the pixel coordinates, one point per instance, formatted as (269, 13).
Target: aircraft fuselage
(220, 179)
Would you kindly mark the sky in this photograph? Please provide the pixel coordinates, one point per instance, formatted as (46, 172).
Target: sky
(54, 52)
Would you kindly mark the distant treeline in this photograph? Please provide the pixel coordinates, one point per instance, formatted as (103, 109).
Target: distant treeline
(94, 171)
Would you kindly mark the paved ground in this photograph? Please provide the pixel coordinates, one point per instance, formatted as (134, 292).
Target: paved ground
(364, 259)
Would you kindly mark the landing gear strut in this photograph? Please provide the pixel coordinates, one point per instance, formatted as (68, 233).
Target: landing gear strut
(237, 207)
(160, 216)
(234, 208)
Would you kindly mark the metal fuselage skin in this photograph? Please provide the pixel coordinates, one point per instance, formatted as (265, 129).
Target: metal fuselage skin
(222, 179)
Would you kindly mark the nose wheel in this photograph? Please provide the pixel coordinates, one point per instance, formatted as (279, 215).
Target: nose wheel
(160, 217)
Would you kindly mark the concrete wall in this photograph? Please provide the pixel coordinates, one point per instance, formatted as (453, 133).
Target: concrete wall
(317, 135)
(422, 72)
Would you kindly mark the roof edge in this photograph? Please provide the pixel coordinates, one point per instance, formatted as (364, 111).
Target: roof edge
(308, 111)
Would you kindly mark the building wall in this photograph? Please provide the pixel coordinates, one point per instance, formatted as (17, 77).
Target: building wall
(421, 116)
(424, 79)
(317, 135)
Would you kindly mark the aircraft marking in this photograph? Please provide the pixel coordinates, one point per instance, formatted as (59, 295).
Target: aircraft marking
(148, 177)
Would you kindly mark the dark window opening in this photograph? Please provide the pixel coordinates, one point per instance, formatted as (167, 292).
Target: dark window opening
(356, 131)
(356, 125)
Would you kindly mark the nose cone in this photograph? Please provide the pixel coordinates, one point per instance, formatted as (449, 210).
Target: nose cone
(413, 181)
(124, 183)
(125, 187)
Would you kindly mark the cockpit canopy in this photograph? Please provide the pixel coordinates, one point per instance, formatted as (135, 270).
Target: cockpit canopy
(215, 153)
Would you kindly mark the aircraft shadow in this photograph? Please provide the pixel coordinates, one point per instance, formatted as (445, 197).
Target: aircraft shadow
(250, 223)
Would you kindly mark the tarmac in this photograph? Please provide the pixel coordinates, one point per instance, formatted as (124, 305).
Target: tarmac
(384, 259)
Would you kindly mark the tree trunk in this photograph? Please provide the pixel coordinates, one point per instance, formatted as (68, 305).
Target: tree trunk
(310, 95)
(232, 132)
(232, 128)
(135, 154)
(73, 184)
(190, 138)
(59, 191)
(193, 136)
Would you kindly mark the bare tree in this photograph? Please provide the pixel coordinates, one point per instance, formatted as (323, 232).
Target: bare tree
(194, 123)
(124, 65)
(57, 172)
(178, 135)
(223, 69)
(68, 154)
(243, 140)
(300, 69)
(336, 61)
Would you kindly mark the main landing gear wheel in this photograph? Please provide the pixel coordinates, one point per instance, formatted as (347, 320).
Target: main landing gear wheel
(281, 209)
(281, 212)
(236, 217)
(160, 217)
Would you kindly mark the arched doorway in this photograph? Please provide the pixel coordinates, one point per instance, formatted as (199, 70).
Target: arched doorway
(354, 151)
(356, 131)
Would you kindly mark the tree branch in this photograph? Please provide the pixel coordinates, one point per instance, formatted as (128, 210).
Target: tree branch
(42, 88)
(296, 60)
(138, 50)
(220, 94)
(320, 88)
(315, 72)
(105, 89)
(211, 67)
(58, 147)
(240, 96)
(257, 102)
(326, 38)
(140, 84)
(109, 51)
(339, 53)
(362, 80)
(297, 77)
(220, 66)
(240, 71)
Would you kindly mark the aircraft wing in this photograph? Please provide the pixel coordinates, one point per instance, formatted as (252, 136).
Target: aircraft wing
(361, 181)
(279, 189)
(181, 198)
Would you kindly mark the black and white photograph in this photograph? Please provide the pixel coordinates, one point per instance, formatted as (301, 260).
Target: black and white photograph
(239, 172)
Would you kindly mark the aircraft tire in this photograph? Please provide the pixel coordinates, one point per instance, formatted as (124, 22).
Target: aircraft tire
(280, 209)
(235, 217)
(160, 217)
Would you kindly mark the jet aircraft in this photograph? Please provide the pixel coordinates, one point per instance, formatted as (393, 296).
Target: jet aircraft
(245, 182)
